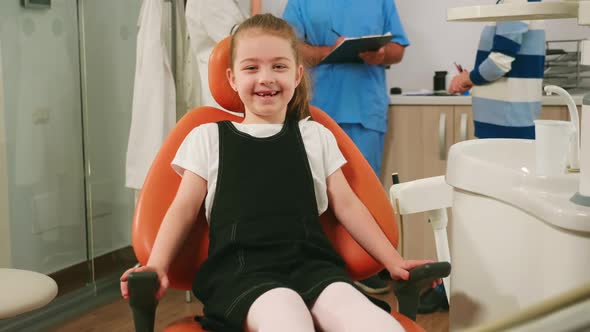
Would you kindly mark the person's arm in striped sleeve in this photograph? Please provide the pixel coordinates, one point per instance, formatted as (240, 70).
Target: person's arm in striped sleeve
(506, 45)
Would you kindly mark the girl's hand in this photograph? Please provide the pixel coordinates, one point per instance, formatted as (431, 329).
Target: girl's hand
(402, 270)
(162, 278)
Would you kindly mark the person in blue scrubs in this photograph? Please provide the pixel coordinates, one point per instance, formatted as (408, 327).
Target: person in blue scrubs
(354, 95)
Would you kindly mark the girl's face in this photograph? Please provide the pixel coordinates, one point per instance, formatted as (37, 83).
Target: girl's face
(265, 75)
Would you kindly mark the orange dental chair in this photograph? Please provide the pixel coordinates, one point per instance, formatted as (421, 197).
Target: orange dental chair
(162, 183)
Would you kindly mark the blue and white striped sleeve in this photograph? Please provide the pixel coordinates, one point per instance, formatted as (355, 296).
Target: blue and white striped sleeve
(506, 45)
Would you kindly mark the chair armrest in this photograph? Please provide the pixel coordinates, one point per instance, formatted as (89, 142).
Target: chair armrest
(433, 196)
(421, 195)
(142, 299)
(421, 277)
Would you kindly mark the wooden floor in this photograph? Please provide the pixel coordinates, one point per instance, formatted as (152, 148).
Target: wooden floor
(116, 317)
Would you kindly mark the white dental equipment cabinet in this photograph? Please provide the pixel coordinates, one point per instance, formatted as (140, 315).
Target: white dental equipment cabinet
(519, 239)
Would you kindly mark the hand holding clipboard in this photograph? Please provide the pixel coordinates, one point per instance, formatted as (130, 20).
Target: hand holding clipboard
(349, 49)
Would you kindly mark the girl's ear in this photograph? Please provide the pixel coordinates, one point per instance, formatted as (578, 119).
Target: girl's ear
(299, 75)
(231, 79)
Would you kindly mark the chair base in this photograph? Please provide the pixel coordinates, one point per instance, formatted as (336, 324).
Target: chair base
(189, 324)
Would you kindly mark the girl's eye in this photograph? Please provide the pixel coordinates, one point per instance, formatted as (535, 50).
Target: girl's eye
(250, 68)
(280, 67)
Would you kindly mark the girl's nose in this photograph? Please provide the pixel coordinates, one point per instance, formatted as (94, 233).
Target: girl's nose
(266, 80)
(266, 77)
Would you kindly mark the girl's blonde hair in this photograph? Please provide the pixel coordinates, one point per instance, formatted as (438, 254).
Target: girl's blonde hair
(269, 24)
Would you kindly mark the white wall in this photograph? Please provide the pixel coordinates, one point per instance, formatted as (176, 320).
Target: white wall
(435, 43)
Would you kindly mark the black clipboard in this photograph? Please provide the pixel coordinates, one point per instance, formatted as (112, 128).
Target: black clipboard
(349, 49)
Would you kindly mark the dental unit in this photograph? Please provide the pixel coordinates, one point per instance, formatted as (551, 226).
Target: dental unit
(518, 238)
(579, 9)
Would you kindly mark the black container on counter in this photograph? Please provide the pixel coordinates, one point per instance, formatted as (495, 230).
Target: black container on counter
(440, 81)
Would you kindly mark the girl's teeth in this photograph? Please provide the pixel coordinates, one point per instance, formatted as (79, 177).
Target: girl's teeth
(267, 94)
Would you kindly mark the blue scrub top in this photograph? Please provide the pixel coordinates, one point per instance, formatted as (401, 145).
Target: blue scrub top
(349, 93)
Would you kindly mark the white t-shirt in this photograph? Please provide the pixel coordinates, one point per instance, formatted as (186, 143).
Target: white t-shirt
(199, 153)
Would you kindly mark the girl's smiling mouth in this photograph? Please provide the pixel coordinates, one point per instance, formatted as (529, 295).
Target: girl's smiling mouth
(266, 94)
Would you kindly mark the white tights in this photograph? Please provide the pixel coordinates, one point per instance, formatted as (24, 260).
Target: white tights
(340, 307)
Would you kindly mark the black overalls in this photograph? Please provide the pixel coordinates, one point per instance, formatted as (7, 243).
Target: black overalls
(264, 228)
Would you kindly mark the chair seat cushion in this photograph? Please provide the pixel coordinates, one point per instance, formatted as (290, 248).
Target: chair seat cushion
(408, 324)
(188, 324)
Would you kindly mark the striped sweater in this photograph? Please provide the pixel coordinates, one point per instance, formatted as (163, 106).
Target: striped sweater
(507, 78)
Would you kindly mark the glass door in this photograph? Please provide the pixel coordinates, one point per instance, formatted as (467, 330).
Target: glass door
(41, 146)
(66, 86)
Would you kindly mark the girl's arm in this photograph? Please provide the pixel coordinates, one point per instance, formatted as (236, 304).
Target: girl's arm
(359, 222)
(175, 227)
(178, 220)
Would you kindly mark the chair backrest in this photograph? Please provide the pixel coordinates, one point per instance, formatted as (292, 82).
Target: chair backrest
(162, 182)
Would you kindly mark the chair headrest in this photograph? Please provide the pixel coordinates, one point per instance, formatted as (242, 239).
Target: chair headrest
(220, 88)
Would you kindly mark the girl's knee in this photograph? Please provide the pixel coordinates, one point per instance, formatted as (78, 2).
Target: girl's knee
(341, 307)
(387, 324)
(279, 309)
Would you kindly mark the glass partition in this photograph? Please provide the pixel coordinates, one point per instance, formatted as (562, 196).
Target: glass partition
(42, 139)
(66, 85)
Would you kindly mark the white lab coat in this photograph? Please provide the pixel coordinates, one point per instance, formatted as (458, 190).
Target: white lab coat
(208, 22)
(154, 93)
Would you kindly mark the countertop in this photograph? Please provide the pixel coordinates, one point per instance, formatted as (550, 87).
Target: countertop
(466, 100)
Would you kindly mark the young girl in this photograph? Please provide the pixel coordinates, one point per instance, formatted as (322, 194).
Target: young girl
(270, 265)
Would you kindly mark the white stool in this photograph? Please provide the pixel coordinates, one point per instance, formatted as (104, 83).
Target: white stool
(23, 291)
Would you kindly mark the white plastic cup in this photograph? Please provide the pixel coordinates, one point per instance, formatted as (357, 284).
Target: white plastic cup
(552, 144)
